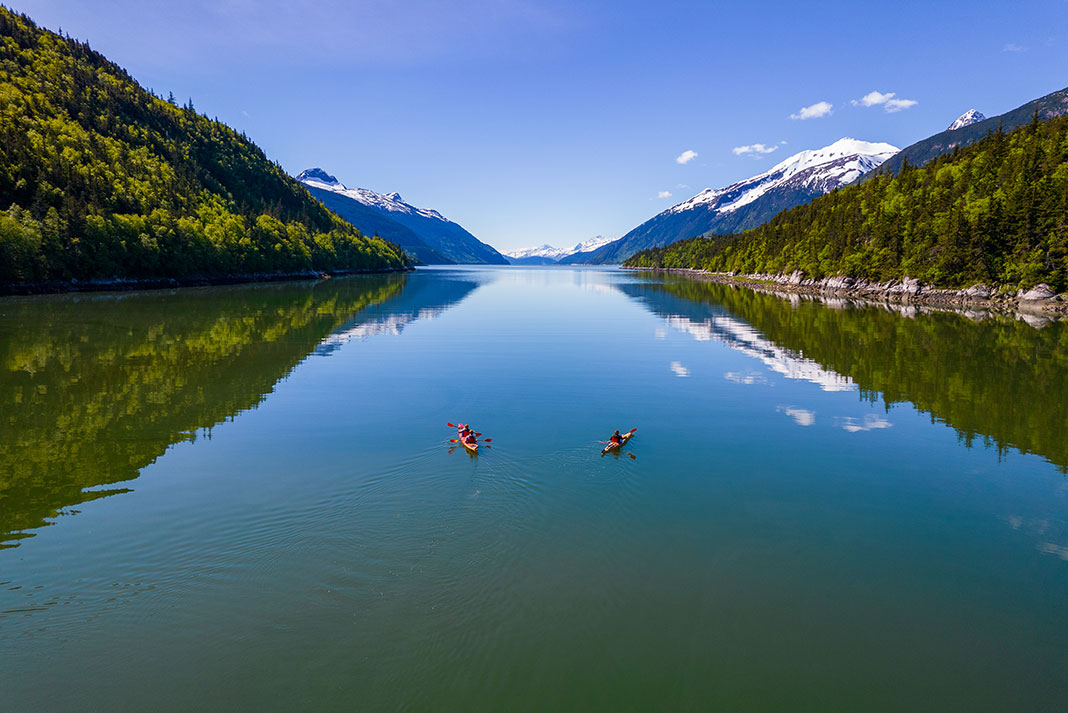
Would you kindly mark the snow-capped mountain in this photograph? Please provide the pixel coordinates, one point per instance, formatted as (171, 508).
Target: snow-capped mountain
(542, 251)
(448, 239)
(753, 201)
(547, 254)
(966, 119)
(389, 202)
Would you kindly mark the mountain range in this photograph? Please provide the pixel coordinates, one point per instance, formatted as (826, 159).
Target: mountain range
(423, 233)
(753, 201)
(548, 255)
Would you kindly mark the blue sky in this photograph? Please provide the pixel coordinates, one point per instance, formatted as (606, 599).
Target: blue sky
(551, 122)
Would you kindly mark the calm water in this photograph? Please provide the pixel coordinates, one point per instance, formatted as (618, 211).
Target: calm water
(244, 498)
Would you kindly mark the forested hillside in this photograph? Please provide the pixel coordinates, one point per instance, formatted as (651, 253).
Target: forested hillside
(994, 212)
(100, 178)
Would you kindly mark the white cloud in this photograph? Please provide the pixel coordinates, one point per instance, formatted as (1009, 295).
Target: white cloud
(1013, 47)
(1051, 549)
(664, 194)
(899, 104)
(679, 369)
(817, 110)
(887, 101)
(871, 422)
(686, 156)
(802, 417)
(873, 98)
(746, 377)
(754, 150)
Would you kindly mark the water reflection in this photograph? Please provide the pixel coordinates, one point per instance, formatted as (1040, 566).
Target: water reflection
(93, 388)
(995, 378)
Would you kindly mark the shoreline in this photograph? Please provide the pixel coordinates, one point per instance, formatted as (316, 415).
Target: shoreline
(123, 284)
(907, 292)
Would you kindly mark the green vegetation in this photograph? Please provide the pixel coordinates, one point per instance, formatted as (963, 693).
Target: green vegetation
(994, 212)
(99, 179)
(999, 382)
(93, 390)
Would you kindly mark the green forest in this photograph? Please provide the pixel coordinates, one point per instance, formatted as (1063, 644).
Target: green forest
(995, 212)
(100, 178)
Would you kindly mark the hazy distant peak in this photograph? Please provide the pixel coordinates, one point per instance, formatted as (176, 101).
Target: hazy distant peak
(548, 251)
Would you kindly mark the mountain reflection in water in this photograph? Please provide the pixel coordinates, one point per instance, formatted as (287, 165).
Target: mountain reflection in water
(93, 388)
(1001, 380)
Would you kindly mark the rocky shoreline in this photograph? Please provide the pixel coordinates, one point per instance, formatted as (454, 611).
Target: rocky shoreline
(1040, 300)
(121, 284)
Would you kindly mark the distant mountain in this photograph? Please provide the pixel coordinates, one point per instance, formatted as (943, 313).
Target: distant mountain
(447, 239)
(581, 253)
(919, 153)
(752, 202)
(548, 255)
(540, 255)
(370, 221)
(966, 119)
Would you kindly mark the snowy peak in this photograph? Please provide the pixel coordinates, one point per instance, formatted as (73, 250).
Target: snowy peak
(842, 148)
(319, 177)
(966, 119)
(441, 239)
(389, 202)
(589, 245)
(821, 170)
(539, 251)
(548, 251)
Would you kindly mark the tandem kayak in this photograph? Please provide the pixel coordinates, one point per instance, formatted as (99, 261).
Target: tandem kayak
(472, 446)
(615, 446)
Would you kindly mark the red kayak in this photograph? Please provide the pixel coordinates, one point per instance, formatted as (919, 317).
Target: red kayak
(471, 445)
(614, 446)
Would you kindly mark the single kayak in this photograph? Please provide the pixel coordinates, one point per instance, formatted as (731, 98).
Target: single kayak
(614, 446)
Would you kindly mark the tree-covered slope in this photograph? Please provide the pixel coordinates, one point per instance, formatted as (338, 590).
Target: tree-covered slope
(919, 153)
(100, 179)
(993, 212)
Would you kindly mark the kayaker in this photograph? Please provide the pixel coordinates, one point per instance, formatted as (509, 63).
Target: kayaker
(467, 435)
(616, 438)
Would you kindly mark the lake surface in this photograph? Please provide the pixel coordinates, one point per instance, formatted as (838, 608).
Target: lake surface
(244, 498)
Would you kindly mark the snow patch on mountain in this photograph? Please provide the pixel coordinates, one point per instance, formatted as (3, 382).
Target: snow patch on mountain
(825, 169)
(966, 119)
(548, 251)
(391, 202)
